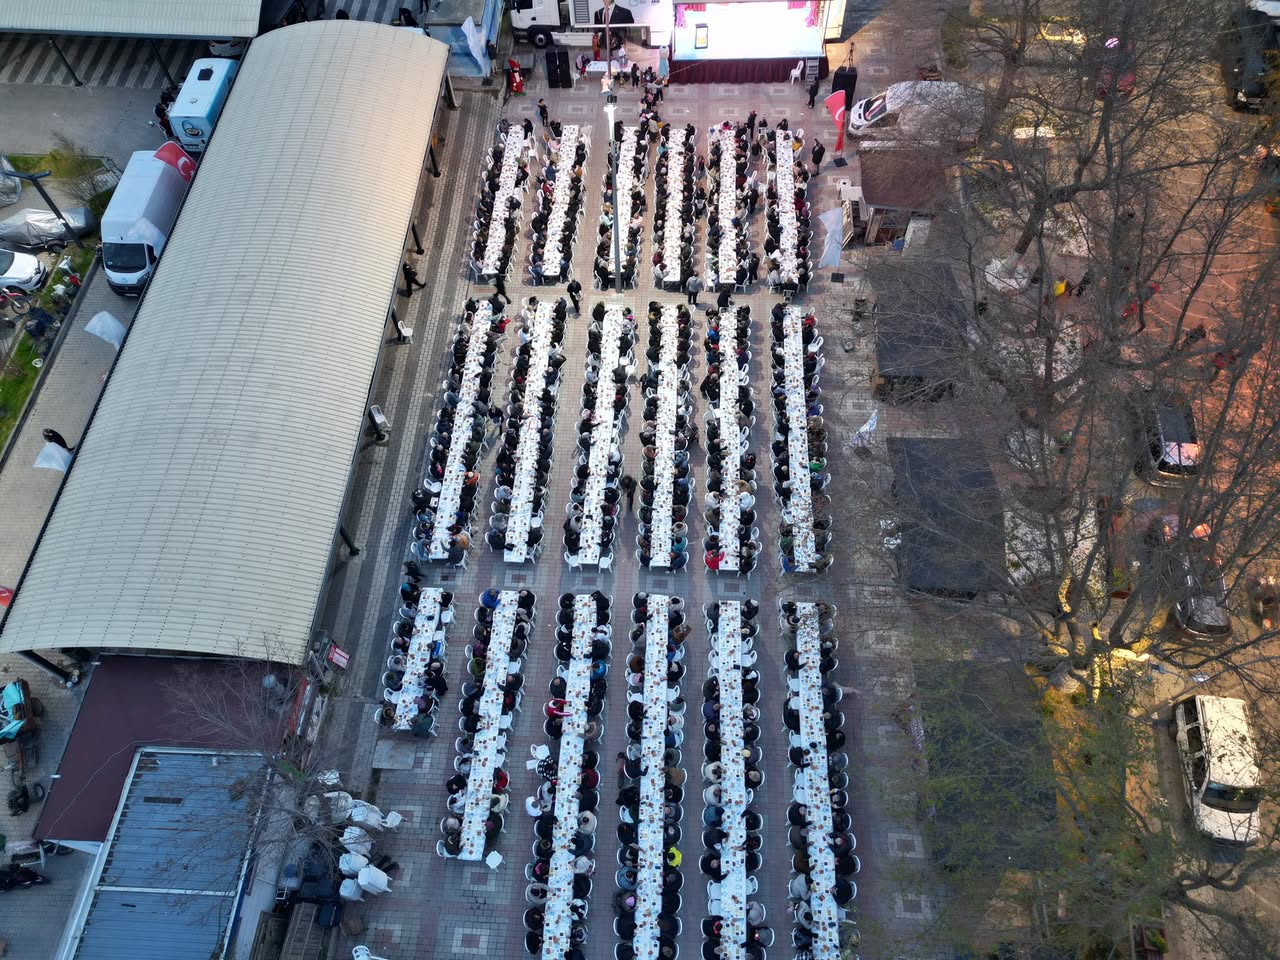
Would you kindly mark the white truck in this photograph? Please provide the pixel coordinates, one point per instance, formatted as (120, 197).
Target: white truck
(195, 110)
(137, 221)
(572, 23)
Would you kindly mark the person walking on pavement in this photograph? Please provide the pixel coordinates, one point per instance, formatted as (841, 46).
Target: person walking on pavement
(629, 488)
(500, 288)
(813, 92)
(53, 436)
(543, 115)
(574, 289)
(819, 151)
(722, 301)
(751, 125)
(411, 280)
(693, 286)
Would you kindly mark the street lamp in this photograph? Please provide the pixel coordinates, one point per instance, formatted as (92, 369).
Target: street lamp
(611, 108)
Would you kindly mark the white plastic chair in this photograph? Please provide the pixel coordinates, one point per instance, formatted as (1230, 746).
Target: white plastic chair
(350, 891)
(798, 72)
(361, 952)
(372, 880)
(392, 820)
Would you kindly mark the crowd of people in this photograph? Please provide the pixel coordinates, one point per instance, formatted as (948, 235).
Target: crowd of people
(813, 473)
(551, 188)
(635, 766)
(532, 408)
(802, 756)
(499, 199)
(793, 273)
(542, 806)
(728, 440)
(604, 403)
(728, 251)
(459, 786)
(668, 356)
(433, 682)
(462, 426)
(673, 177)
(626, 215)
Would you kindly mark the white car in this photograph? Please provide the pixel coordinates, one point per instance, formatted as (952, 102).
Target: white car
(868, 111)
(21, 271)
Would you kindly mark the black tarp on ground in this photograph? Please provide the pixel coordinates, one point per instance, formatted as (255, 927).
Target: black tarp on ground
(919, 319)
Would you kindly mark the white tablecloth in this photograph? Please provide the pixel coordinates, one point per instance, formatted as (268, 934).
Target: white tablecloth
(797, 510)
(485, 744)
(788, 223)
(541, 338)
(626, 183)
(559, 215)
(455, 465)
(679, 149)
(726, 268)
(603, 436)
(558, 921)
(652, 781)
(811, 783)
(671, 380)
(427, 628)
(513, 152)
(726, 412)
(727, 667)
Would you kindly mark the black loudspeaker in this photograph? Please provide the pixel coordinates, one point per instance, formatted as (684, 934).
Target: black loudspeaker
(553, 69)
(845, 78)
(566, 72)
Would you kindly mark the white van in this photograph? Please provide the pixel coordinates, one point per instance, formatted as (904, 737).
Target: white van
(137, 221)
(1219, 767)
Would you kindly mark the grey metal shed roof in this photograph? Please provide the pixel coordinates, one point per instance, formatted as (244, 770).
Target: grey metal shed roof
(172, 871)
(201, 509)
(206, 19)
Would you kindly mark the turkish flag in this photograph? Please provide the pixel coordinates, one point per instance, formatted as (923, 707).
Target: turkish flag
(836, 105)
(179, 159)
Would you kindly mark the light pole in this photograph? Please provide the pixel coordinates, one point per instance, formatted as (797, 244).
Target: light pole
(611, 108)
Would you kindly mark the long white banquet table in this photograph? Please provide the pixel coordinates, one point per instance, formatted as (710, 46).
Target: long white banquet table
(670, 380)
(541, 334)
(652, 781)
(603, 436)
(727, 662)
(788, 223)
(559, 215)
(811, 783)
(732, 378)
(455, 465)
(798, 508)
(679, 149)
(558, 922)
(512, 154)
(485, 744)
(428, 629)
(626, 183)
(725, 210)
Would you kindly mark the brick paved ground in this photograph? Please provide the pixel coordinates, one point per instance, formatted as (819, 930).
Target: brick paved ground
(451, 909)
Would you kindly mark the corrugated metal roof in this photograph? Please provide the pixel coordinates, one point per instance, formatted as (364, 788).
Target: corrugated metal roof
(208, 19)
(201, 509)
(172, 872)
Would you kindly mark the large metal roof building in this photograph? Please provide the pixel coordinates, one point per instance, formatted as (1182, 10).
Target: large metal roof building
(203, 504)
(133, 18)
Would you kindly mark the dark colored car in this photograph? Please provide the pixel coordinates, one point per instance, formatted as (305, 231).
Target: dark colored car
(1247, 51)
(1168, 447)
(1195, 575)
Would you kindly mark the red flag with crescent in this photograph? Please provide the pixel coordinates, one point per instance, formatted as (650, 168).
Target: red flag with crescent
(836, 105)
(179, 159)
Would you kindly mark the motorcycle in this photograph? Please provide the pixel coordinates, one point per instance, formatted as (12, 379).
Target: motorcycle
(13, 878)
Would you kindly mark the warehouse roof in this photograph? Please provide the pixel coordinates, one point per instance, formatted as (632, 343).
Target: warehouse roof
(201, 509)
(133, 18)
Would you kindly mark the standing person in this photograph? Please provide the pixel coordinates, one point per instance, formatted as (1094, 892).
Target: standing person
(574, 289)
(813, 92)
(629, 488)
(819, 151)
(693, 286)
(411, 280)
(723, 302)
(500, 288)
(751, 125)
(53, 436)
(543, 114)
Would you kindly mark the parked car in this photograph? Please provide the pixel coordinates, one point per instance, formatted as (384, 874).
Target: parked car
(40, 230)
(1247, 51)
(1195, 575)
(1117, 69)
(1165, 430)
(21, 271)
(1219, 767)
